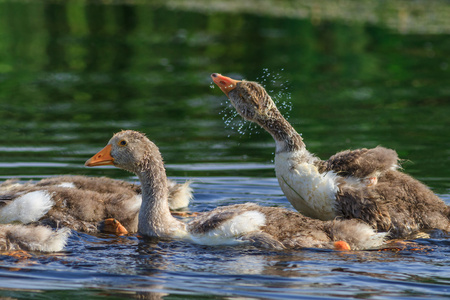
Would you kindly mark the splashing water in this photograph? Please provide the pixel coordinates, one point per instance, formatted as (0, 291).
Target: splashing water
(233, 121)
(278, 89)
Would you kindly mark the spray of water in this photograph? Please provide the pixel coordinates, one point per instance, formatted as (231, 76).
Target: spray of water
(278, 89)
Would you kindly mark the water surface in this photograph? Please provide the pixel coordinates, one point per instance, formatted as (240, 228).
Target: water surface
(357, 75)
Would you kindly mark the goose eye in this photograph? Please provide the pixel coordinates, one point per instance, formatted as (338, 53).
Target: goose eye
(122, 143)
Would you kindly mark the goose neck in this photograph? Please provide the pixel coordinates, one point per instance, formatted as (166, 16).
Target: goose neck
(286, 137)
(155, 218)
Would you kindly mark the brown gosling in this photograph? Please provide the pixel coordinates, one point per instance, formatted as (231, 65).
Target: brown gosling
(363, 184)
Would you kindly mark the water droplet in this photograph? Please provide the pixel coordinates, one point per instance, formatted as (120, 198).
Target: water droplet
(279, 90)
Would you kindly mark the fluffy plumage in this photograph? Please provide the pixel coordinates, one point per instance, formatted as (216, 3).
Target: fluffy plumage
(364, 184)
(361, 163)
(268, 227)
(32, 238)
(79, 202)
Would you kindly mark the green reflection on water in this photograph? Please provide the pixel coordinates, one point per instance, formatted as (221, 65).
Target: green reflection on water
(73, 73)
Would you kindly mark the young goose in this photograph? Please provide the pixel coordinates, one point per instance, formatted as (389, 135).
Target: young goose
(269, 227)
(364, 184)
(80, 203)
(15, 237)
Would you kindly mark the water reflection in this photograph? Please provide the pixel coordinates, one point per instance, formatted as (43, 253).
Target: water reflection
(77, 72)
(154, 268)
(359, 74)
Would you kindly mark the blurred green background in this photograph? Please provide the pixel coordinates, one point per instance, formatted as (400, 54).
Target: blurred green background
(356, 74)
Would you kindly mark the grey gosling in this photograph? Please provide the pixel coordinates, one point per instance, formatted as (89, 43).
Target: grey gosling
(363, 184)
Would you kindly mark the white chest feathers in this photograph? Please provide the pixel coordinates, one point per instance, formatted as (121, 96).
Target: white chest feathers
(27, 208)
(228, 232)
(310, 192)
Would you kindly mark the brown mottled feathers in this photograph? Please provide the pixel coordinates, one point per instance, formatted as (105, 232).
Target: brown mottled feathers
(268, 116)
(83, 210)
(85, 206)
(284, 228)
(397, 203)
(370, 187)
(361, 163)
(98, 184)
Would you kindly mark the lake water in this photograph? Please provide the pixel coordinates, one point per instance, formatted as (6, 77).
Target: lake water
(352, 75)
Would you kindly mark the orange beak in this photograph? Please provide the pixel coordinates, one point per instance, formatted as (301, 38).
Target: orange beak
(102, 158)
(226, 84)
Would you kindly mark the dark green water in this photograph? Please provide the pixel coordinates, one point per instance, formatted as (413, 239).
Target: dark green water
(356, 75)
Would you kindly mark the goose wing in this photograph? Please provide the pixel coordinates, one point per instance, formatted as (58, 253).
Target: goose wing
(363, 162)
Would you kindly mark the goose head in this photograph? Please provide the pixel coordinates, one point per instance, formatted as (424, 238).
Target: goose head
(249, 98)
(129, 150)
(133, 151)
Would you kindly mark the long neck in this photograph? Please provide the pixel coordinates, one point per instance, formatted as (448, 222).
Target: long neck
(285, 136)
(155, 218)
